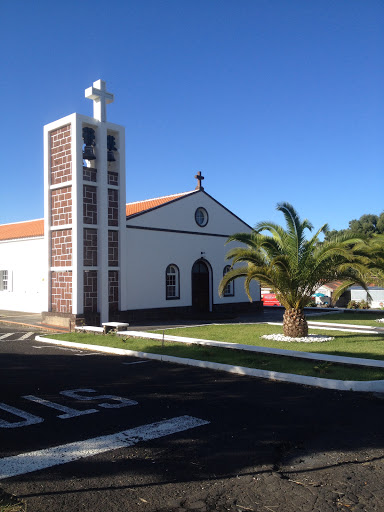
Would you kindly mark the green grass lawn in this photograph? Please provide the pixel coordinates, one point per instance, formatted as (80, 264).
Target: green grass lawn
(9, 503)
(369, 346)
(234, 357)
(350, 318)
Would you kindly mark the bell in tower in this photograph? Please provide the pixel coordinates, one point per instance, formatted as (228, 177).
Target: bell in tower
(89, 141)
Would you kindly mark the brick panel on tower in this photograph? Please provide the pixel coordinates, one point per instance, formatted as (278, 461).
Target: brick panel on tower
(61, 248)
(90, 291)
(113, 290)
(61, 291)
(90, 247)
(61, 160)
(113, 207)
(61, 206)
(89, 174)
(113, 248)
(89, 204)
(61, 215)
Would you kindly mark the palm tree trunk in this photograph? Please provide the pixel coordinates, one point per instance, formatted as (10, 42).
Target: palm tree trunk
(294, 323)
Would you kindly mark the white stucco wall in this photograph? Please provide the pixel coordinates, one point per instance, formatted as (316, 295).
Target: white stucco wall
(149, 253)
(377, 294)
(146, 255)
(25, 261)
(180, 215)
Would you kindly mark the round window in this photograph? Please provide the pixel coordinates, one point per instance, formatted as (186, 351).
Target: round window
(201, 217)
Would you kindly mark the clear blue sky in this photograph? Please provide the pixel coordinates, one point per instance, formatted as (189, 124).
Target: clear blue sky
(273, 100)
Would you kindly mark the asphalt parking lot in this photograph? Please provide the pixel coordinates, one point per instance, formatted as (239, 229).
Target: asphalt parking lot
(251, 444)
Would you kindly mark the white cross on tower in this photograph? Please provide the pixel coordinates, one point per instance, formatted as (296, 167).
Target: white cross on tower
(98, 93)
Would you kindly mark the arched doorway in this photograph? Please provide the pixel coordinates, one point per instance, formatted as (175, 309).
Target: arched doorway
(200, 287)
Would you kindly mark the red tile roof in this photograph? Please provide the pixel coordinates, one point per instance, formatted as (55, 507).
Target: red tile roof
(333, 285)
(35, 228)
(27, 229)
(141, 206)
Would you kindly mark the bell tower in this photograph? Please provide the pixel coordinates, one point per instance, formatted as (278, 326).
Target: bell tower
(84, 212)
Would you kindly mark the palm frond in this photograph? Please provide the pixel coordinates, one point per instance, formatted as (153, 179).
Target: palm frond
(295, 267)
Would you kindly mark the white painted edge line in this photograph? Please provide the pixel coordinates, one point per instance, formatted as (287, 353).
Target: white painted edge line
(204, 325)
(137, 362)
(368, 386)
(335, 324)
(318, 313)
(62, 454)
(323, 327)
(263, 350)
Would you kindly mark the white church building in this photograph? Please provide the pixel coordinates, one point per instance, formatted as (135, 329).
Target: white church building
(95, 258)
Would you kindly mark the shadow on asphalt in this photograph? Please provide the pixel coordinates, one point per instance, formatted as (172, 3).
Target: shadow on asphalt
(253, 423)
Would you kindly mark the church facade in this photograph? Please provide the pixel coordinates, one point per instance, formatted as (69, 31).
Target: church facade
(94, 258)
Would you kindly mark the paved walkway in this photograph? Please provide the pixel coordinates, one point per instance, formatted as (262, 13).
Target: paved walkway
(25, 320)
(33, 320)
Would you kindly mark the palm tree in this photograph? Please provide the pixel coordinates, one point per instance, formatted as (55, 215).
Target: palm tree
(292, 266)
(373, 251)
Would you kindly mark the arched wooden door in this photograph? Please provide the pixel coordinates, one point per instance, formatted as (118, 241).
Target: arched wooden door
(200, 287)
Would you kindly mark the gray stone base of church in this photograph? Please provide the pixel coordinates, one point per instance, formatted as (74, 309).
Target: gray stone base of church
(220, 311)
(67, 320)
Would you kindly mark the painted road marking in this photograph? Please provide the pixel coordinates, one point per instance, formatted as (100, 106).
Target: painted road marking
(138, 362)
(69, 412)
(29, 419)
(3, 336)
(77, 352)
(17, 336)
(42, 459)
(26, 336)
(77, 394)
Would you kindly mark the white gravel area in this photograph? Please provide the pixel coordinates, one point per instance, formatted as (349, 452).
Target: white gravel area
(311, 338)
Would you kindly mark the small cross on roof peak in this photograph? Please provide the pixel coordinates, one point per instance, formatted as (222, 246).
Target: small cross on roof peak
(199, 178)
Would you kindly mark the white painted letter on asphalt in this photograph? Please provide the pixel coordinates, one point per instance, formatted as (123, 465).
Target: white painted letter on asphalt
(69, 412)
(78, 395)
(29, 419)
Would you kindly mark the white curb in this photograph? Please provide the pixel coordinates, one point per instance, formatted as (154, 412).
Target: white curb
(370, 386)
(346, 328)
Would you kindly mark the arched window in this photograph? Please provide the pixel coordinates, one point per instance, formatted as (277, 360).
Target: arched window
(172, 282)
(229, 290)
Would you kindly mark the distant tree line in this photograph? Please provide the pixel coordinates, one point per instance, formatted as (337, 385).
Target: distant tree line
(367, 225)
